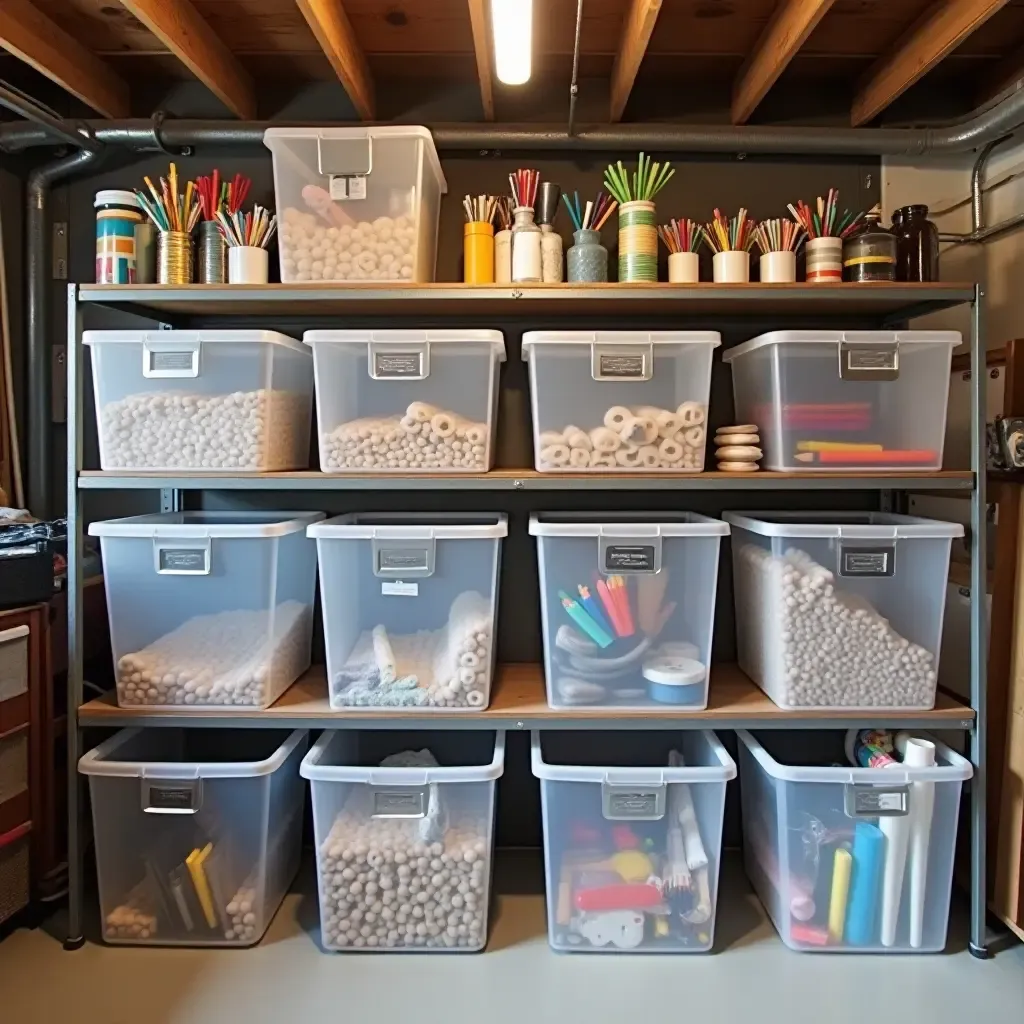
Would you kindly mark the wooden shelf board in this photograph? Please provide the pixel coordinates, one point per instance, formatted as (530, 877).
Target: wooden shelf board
(519, 701)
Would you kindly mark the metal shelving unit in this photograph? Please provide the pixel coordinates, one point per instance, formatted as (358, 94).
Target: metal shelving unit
(518, 699)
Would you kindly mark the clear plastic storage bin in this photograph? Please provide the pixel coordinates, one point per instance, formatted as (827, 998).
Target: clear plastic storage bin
(840, 401)
(632, 838)
(409, 607)
(840, 609)
(356, 204)
(850, 859)
(628, 607)
(406, 401)
(198, 832)
(413, 812)
(620, 401)
(201, 400)
(208, 608)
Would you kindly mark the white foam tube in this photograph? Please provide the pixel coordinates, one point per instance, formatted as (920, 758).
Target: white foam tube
(383, 655)
(918, 753)
(897, 832)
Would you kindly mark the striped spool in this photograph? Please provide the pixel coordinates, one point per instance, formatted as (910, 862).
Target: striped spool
(824, 260)
(638, 242)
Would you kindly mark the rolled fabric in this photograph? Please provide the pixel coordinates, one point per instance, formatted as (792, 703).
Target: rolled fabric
(579, 458)
(555, 455)
(476, 433)
(632, 432)
(669, 424)
(576, 438)
(410, 425)
(649, 425)
(468, 659)
(605, 461)
(475, 698)
(671, 450)
(605, 440)
(628, 457)
(691, 414)
(422, 412)
(442, 424)
(549, 437)
(694, 437)
(650, 456)
(616, 417)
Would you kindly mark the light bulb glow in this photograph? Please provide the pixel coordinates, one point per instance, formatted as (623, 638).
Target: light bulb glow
(512, 24)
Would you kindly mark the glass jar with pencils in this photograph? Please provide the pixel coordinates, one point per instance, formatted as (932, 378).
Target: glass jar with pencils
(638, 232)
(587, 259)
(527, 266)
(174, 213)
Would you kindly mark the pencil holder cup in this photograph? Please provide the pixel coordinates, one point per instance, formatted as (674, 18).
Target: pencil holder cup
(778, 267)
(211, 263)
(247, 264)
(587, 260)
(174, 257)
(824, 260)
(683, 267)
(731, 266)
(638, 242)
(503, 257)
(478, 253)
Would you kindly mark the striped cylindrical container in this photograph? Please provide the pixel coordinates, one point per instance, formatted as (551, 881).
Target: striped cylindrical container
(638, 242)
(824, 260)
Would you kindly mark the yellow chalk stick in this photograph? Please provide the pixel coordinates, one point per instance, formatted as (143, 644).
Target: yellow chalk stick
(842, 868)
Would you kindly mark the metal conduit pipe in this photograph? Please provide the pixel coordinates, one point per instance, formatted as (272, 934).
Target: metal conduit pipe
(59, 130)
(37, 324)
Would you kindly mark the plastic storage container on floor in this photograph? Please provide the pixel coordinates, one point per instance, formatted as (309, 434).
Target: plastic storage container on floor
(409, 606)
(628, 607)
(208, 608)
(620, 401)
(198, 832)
(201, 400)
(632, 838)
(840, 610)
(849, 859)
(356, 204)
(841, 401)
(418, 830)
(406, 401)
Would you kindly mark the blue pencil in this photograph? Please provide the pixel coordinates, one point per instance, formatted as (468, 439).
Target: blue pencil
(594, 608)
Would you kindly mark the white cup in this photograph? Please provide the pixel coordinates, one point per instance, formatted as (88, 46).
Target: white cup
(683, 267)
(732, 266)
(778, 268)
(247, 264)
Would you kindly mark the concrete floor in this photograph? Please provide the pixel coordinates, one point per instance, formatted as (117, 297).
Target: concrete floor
(287, 980)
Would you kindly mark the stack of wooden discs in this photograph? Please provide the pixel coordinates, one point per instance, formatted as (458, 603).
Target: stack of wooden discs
(737, 449)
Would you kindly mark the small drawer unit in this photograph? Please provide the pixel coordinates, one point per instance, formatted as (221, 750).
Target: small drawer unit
(356, 204)
(852, 859)
(632, 838)
(198, 832)
(13, 663)
(406, 401)
(628, 607)
(208, 608)
(840, 610)
(840, 401)
(206, 401)
(620, 401)
(404, 827)
(409, 605)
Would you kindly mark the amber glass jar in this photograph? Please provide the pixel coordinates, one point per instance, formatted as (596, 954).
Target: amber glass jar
(917, 245)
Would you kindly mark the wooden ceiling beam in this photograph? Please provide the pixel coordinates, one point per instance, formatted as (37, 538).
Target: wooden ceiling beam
(787, 30)
(481, 23)
(942, 28)
(636, 34)
(329, 23)
(34, 38)
(180, 27)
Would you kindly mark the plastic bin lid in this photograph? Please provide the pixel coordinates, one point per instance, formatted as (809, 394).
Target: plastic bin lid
(844, 525)
(531, 338)
(96, 762)
(950, 338)
(206, 524)
(313, 768)
(412, 526)
(618, 776)
(391, 131)
(439, 337)
(671, 524)
(141, 337)
(955, 768)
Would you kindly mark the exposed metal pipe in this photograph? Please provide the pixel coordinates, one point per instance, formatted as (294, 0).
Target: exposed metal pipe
(574, 88)
(37, 320)
(977, 199)
(59, 129)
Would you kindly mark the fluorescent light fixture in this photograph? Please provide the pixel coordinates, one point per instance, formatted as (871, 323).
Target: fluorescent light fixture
(512, 22)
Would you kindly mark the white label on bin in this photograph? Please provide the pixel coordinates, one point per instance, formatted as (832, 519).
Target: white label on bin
(185, 561)
(617, 366)
(396, 588)
(399, 803)
(622, 803)
(867, 562)
(876, 801)
(184, 797)
(398, 364)
(348, 186)
(629, 558)
(172, 360)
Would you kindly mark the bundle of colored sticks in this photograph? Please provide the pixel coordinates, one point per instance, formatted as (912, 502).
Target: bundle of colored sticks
(480, 209)
(169, 209)
(681, 235)
(594, 215)
(647, 181)
(254, 229)
(779, 235)
(525, 183)
(725, 235)
(824, 222)
(215, 194)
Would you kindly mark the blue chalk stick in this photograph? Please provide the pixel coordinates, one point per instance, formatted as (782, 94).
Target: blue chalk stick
(866, 885)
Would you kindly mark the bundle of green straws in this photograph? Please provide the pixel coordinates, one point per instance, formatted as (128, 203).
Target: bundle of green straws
(648, 180)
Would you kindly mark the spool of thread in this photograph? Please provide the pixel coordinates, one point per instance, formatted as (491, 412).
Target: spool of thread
(824, 260)
(174, 257)
(478, 252)
(117, 215)
(211, 265)
(638, 242)
(683, 267)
